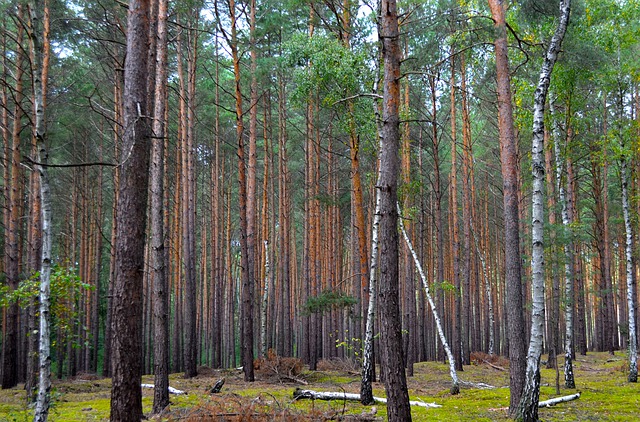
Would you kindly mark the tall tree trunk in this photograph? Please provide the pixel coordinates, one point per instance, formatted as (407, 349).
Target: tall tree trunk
(10, 362)
(126, 397)
(246, 261)
(465, 275)
(508, 159)
(569, 250)
(437, 188)
(39, 47)
(528, 407)
(455, 238)
(391, 336)
(158, 252)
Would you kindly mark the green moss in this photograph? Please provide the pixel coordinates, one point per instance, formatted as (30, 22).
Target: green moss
(606, 395)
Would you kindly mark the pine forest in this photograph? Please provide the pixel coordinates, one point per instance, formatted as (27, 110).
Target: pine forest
(272, 188)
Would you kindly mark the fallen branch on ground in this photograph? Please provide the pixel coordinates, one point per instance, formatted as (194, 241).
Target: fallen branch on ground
(551, 402)
(171, 389)
(479, 385)
(499, 368)
(332, 395)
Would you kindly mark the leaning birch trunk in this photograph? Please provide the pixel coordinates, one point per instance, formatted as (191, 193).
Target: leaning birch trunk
(366, 390)
(528, 406)
(569, 380)
(265, 294)
(455, 386)
(37, 46)
(633, 346)
(487, 288)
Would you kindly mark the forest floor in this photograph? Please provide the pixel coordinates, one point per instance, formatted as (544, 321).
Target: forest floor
(600, 377)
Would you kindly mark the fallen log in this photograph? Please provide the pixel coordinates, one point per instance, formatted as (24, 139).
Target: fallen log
(551, 402)
(171, 389)
(479, 385)
(333, 395)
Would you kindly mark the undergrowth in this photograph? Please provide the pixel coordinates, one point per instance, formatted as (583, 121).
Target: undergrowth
(600, 377)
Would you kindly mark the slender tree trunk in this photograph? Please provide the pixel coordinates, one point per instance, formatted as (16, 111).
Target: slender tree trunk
(528, 407)
(368, 362)
(158, 252)
(10, 362)
(455, 386)
(631, 300)
(455, 238)
(246, 260)
(126, 397)
(391, 336)
(509, 158)
(569, 250)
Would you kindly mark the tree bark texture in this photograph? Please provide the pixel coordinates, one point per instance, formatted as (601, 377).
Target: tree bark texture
(528, 407)
(631, 300)
(509, 160)
(391, 336)
(126, 397)
(158, 251)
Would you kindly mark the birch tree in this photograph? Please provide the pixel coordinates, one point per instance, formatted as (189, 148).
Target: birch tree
(528, 407)
(631, 302)
(39, 47)
(567, 217)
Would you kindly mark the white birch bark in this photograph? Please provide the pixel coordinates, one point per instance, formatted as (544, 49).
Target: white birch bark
(265, 294)
(556, 400)
(366, 389)
(455, 386)
(528, 407)
(339, 395)
(633, 342)
(43, 398)
(568, 257)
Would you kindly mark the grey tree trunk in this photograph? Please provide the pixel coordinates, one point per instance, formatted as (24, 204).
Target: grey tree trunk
(528, 407)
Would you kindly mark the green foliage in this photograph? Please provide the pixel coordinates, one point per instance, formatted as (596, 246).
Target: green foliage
(322, 65)
(64, 288)
(328, 300)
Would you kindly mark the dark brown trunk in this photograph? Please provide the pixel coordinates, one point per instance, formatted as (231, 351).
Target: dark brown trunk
(398, 408)
(10, 362)
(126, 397)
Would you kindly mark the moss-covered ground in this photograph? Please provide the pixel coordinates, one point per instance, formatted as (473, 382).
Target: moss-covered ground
(600, 377)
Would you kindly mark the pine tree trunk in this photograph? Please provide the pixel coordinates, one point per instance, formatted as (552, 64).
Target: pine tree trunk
(455, 238)
(10, 362)
(158, 252)
(398, 408)
(126, 397)
(509, 159)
